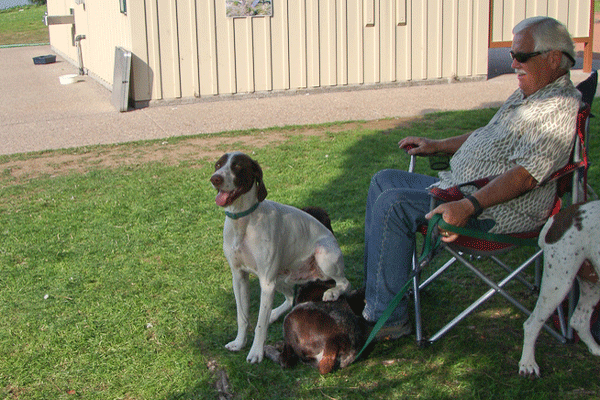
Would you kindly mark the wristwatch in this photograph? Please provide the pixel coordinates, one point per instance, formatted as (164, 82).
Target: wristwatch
(475, 202)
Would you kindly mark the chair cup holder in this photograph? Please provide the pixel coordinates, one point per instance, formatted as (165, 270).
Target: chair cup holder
(439, 162)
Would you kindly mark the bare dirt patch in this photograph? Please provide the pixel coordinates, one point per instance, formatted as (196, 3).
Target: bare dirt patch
(170, 151)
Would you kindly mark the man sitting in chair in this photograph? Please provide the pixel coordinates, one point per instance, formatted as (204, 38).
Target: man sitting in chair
(529, 138)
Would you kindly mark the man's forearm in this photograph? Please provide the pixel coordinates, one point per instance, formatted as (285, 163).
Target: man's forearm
(452, 144)
(505, 187)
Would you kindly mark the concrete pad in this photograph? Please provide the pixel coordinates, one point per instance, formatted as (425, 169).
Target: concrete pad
(38, 113)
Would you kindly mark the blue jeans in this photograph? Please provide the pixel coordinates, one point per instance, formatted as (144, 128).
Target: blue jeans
(396, 205)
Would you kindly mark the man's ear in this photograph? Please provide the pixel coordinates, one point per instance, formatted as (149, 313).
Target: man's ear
(555, 58)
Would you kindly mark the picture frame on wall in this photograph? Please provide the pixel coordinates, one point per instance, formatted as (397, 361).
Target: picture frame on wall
(249, 8)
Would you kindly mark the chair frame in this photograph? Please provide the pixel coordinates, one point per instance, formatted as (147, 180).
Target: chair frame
(578, 188)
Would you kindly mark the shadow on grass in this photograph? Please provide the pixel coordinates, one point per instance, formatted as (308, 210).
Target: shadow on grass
(477, 359)
(345, 196)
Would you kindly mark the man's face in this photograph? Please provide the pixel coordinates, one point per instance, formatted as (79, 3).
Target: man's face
(534, 73)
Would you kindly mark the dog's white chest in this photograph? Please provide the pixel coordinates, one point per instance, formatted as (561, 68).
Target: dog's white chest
(238, 251)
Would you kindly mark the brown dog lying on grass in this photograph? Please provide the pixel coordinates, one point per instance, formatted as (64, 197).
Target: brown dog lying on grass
(325, 334)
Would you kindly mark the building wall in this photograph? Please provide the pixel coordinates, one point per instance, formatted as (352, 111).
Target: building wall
(104, 27)
(575, 14)
(189, 48)
(194, 50)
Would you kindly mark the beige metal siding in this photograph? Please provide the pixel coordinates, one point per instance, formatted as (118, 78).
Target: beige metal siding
(61, 35)
(189, 48)
(575, 14)
(104, 28)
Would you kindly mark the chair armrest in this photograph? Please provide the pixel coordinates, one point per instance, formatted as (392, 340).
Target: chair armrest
(437, 161)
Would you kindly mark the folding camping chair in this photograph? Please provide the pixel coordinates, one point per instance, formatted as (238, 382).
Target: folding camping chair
(473, 246)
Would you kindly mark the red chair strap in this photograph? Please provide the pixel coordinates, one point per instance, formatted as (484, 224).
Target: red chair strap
(582, 118)
(454, 193)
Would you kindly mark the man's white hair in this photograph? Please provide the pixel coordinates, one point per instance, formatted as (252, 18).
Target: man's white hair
(549, 34)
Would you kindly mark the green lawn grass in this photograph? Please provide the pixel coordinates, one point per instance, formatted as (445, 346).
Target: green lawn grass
(23, 25)
(113, 284)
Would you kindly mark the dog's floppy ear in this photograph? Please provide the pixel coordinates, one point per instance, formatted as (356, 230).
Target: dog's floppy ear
(262, 190)
(258, 177)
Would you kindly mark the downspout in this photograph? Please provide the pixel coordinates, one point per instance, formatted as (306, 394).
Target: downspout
(78, 40)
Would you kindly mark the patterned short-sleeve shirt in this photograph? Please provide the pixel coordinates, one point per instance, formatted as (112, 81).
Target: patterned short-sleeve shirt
(536, 133)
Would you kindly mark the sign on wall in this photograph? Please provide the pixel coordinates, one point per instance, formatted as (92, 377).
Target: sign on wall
(249, 8)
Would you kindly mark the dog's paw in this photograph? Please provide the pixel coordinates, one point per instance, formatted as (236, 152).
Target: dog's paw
(255, 355)
(595, 350)
(342, 286)
(235, 345)
(529, 369)
(272, 353)
(331, 294)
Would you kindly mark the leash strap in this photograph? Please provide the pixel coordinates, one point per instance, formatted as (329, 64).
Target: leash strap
(432, 242)
(426, 255)
(454, 194)
(384, 317)
(490, 237)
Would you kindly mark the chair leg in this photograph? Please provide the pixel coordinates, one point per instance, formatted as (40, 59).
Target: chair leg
(418, 286)
(417, 302)
(495, 288)
(437, 273)
(563, 320)
(572, 304)
(509, 269)
(538, 273)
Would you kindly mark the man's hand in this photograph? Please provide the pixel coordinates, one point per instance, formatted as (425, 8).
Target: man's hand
(418, 146)
(502, 188)
(415, 146)
(455, 213)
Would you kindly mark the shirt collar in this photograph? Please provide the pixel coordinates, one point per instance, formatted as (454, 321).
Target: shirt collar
(562, 82)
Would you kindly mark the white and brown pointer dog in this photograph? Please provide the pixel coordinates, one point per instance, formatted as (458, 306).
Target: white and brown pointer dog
(570, 241)
(326, 335)
(280, 244)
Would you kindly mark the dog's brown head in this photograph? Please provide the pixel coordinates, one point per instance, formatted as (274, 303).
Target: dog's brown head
(313, 292)
(235, 174)
(321, 215)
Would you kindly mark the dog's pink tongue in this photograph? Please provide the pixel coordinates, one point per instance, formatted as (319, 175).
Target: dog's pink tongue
(222, 198)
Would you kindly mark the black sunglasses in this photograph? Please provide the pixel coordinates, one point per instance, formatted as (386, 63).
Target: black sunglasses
(524, 57)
